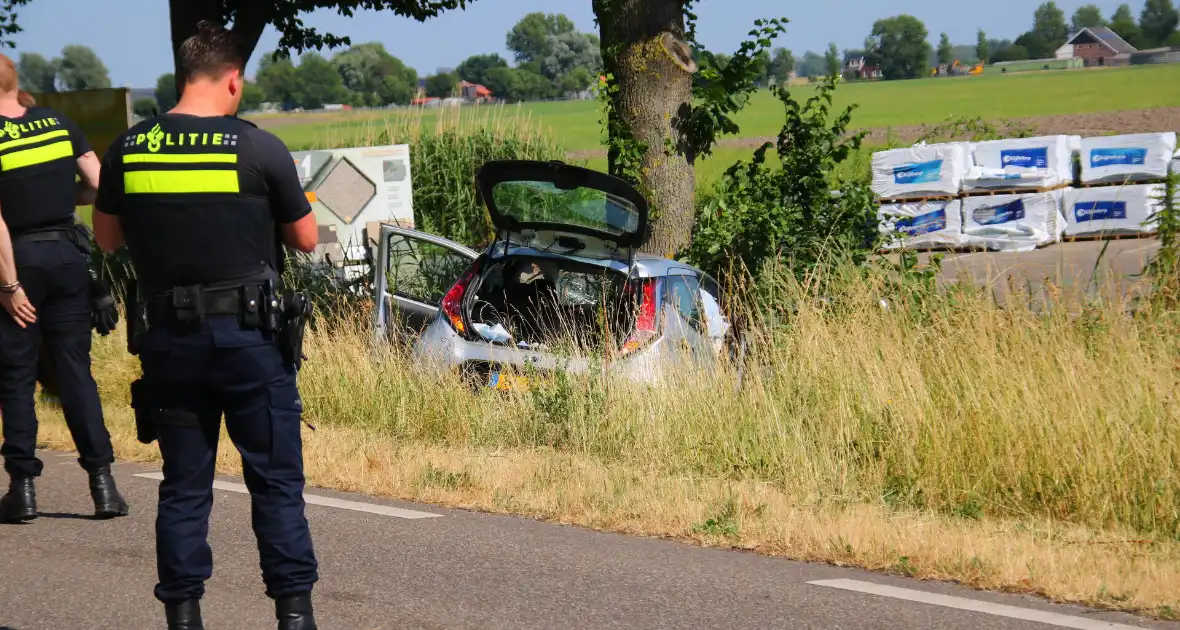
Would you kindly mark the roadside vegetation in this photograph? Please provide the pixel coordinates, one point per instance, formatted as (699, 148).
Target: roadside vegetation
(942, 438)
(873, 418)
(867, 415)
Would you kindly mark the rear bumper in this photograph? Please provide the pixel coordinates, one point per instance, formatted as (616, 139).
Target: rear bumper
(441, 348)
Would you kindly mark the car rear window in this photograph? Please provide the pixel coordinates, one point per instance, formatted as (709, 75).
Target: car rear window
(543, 202)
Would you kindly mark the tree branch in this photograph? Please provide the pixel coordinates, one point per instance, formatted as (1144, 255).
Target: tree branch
(250, 20)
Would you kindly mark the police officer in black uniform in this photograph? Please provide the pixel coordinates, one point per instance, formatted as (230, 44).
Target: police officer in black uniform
(45, 282)
(196, 194)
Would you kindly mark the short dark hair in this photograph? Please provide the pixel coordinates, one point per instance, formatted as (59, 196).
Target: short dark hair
(211, 52)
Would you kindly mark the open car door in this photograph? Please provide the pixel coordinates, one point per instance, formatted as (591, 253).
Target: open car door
(686, 323)
(414, 271)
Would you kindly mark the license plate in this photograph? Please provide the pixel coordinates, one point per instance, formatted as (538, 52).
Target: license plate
(507, 382)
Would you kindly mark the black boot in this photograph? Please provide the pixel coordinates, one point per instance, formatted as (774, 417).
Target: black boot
(184, 616)
(294, 612)
(108, 503)
(20, 504)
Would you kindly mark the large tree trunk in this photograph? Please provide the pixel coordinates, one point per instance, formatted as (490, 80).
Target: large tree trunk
(643, 48)
(250, 19)
(183, 16)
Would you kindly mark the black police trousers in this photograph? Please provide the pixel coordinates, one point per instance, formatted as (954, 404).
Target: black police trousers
(192, 376)
(56, 278)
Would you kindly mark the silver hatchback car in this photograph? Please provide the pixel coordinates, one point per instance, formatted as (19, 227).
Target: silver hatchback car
(562, 276)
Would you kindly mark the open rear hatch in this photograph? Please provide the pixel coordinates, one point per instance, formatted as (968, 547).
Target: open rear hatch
(563, 209)
(562, 293)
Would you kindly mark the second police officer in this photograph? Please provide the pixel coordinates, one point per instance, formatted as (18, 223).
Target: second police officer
(196, 195)
(45, 283)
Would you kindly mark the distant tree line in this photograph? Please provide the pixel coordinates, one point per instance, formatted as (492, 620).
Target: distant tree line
(551, 59)
(78, 68)
(899, 46)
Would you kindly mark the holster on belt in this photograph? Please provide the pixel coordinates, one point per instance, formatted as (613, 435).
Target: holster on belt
(284, 319)
(145, 420)
(136, 317)
(296, 316)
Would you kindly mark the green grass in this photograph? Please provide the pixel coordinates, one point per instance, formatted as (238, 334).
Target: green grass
(572, 123)
(708, 170)
(1032, 66)
(881, 104)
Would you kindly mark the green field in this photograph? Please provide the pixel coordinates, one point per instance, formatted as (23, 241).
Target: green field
(880, 104)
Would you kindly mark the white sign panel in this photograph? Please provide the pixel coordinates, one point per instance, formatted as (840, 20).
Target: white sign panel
(353, 190)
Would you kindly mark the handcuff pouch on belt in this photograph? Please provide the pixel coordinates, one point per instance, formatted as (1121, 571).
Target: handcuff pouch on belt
(188, 304)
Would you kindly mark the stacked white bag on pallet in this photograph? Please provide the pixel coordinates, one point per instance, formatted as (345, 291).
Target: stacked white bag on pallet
(1043, 162)
(929, 170)
(1126, 158)
(1113, 209)
(921, 223)
(1017, 222)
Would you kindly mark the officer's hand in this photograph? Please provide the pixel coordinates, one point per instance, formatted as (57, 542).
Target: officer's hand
(18, 306)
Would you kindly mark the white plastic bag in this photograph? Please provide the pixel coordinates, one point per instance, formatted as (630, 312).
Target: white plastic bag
(1017, 222)
(921, 223)
(920, 171)
(1125, 209)
(1130, 157)
(1043, 162)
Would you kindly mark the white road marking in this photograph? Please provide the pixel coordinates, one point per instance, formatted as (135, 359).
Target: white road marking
(962, 603)
(311, 499)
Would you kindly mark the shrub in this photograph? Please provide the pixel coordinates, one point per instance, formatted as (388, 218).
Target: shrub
(761, 211)
(1165, 265)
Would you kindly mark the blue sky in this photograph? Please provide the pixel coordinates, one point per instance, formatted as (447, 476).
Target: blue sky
(131, 36)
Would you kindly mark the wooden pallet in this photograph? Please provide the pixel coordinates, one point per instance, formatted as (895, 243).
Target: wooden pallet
(933, 248)
(1118, 184)
(926, 199)
(1108, 236)
(942, 250)
(995, 192)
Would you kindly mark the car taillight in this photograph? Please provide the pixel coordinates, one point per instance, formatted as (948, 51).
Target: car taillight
(452, 302)
(645, 320)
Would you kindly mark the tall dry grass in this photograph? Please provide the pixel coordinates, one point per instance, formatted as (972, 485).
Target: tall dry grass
(946, 439)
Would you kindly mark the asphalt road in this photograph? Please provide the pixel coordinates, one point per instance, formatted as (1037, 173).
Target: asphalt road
(457, 569)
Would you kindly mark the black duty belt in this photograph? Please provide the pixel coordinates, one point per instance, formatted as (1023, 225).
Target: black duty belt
(170, 306)
(256, 305)
(60, 234)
